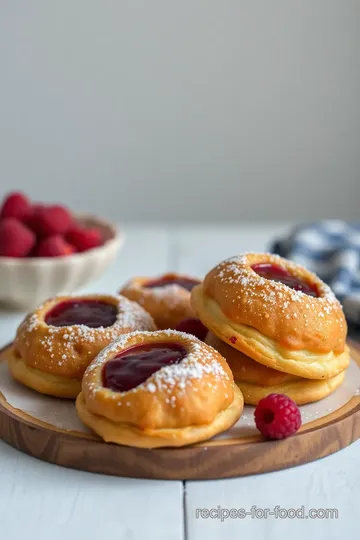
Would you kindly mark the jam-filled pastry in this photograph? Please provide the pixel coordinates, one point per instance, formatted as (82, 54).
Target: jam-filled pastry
(153, 389)
(257, 381)
(276, 312)
(55, 344)
(166, 298)
(193, 326)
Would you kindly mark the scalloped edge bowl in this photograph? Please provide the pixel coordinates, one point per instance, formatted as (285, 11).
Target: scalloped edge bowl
(24, 283)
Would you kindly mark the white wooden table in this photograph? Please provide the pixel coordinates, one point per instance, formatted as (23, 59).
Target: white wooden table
(39, 501)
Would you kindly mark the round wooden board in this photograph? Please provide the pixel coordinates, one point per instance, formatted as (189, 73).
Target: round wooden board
(223, 458)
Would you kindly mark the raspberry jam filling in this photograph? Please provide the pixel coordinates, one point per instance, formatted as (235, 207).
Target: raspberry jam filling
(133, 366)
(186, 283)
(193, 326)
(277, 273)
(91, 313)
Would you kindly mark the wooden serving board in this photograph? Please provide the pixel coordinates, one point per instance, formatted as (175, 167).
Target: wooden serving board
(218, 458)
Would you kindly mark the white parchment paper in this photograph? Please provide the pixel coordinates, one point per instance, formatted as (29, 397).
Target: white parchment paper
(62, 413)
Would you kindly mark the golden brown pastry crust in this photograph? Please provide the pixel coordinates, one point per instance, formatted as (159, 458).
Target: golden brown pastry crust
(179, 404)
(301, 391)
(129, 435)
(64, 352)
(257, 381)
(244, 368)
(168, 305)
(270, 322)
(42, 382)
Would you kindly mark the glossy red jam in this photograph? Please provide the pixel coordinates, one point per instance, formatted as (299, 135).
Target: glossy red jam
(186, 283)
(277, 273)
(91, 313)
(133, 366)
(193, 326)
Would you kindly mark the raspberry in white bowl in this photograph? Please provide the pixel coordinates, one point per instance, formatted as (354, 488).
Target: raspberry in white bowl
(47, 250)
(39, 230)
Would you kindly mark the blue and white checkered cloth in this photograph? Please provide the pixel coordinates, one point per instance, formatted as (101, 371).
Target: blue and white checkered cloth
(331, 249)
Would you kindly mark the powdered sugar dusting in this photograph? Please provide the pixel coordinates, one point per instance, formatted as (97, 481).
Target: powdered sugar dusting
(236, 270)
(168, 293)
(33, 322)
(173, 379)
(130, 316)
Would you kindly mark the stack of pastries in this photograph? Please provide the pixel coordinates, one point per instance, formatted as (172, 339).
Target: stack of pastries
(279, 327)
(139, 381)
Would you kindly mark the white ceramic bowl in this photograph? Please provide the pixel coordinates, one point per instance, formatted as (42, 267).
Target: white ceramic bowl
(24, 283)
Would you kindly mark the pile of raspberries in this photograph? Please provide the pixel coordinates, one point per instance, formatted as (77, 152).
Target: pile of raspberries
(39, 230)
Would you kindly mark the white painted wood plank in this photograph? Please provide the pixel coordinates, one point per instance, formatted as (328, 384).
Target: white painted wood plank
(62, 503)
(198, 249)
(39, 501)
(332, 482)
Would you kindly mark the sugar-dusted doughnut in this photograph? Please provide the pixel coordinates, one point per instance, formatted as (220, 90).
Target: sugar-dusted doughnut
(55, 343)
(277, 313)
(166, 298)
(153, 389)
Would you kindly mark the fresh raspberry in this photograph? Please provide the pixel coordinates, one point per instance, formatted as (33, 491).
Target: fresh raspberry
(50, 220)
(84, 239)
(277, 416)
(16, 205)
(16, 240)
(193, 326)
(32, 218)
(54, 246)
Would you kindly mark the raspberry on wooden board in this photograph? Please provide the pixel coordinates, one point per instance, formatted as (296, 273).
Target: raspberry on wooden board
(277, 416)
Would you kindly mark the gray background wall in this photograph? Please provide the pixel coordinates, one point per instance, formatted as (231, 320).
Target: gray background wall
(183, 110)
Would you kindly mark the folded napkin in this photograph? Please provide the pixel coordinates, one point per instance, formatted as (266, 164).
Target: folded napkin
(331, 249)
